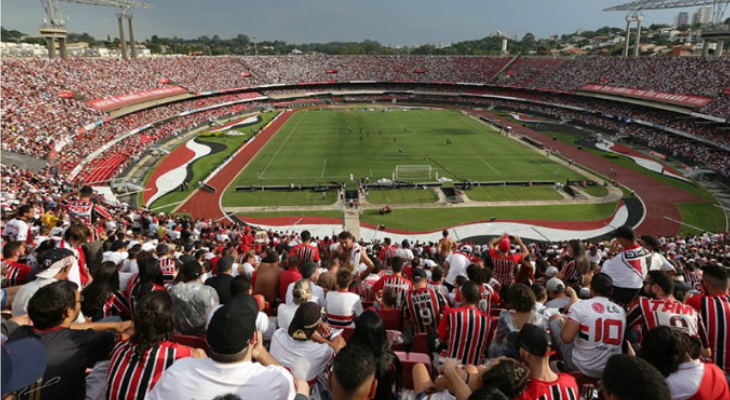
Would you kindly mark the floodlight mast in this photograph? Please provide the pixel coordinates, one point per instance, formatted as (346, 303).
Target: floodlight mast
(54, 25)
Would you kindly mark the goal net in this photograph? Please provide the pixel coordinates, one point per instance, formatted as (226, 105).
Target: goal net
(413, 171)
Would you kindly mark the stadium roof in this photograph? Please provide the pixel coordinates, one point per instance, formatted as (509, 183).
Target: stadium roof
(663, 4)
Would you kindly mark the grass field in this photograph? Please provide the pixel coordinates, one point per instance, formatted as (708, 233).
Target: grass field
(419, 219)
(512, 193)
(203, 166)
(325, 146)
(702, 215)
(402, 196)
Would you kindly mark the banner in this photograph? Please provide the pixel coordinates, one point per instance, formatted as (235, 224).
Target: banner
(116, 102)
(66, 94)
(679, 99)
(330, 71)
(658, 155)
(420, 71)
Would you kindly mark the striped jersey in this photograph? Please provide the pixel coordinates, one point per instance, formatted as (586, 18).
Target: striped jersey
(504, 267)
(167, 265)
(366, 287)
(694, 278)
(570, 273)
(400, 284)
(563, 388)
(652, 313)
(131, 376)
(17, 273)
(305, 252)
(489, 296)
(425, 307)
(116, 305)
(466, 330)
(87, 212)
(715, 314)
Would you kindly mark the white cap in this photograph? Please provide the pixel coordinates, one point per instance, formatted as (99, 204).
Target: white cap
(551, 271)
(430, 263)
(149, 246)
(466, 248)
(554, 285)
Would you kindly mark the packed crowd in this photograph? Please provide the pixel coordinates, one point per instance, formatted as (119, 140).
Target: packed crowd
(103, 301)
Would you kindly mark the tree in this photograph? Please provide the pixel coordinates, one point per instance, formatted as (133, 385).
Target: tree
(543, 50)
(528, 41)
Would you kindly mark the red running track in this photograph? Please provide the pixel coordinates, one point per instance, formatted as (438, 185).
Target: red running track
(658, 197)
(204, 204)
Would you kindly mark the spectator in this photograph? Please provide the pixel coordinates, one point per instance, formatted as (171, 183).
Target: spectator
(310, 272)
(627, 281)
(301, 293)
(342, 306)
(353, 374)
(631, 378)
(522, 303)
(424, 307)
(266, 278)
(396, 281)
(102, 299)
(470, 350)
(370, 333)
(191, 300)
(222, 282)
(54, 267)
(505, 263)
(289, 276)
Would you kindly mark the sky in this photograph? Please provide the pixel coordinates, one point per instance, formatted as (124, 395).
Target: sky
(391, 22)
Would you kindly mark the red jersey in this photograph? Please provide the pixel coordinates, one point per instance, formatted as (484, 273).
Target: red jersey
(366, 287)
(399, 283)
(392, 319)
(131, 377)
(291, 275)
(505, 266)
(652, 313)
(715, 315)
(386, 254)
(17, 273)
(425, 307)
(305, 252)
(466, 330)
(563, 388)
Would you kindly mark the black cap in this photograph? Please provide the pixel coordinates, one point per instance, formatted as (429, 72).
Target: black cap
(419, 274)
(161, 249)
(232, 327)
(305, 322)
(119, 244)
(534, 340)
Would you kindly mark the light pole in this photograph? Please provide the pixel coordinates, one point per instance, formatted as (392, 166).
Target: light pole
(255, 47)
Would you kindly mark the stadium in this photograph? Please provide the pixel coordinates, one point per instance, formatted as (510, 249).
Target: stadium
(393, 223)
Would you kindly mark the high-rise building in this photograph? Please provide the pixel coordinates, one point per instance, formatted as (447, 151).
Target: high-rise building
(681, 19)
(702, 16)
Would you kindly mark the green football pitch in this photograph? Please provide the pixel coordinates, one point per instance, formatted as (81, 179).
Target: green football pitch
(325, 146)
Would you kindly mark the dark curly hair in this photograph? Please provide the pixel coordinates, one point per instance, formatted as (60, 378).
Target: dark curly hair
(665, 348)
(509, 376)
(521, 298)
(152, 321)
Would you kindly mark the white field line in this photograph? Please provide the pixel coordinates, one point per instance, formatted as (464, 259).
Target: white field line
(324, 166)
(489, 165)
(282, 145)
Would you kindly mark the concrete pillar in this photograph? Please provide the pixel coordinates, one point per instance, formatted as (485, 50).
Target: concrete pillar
(706, 48)
(719, 48)
(122, 40)
(132, 44)
(638, 35)
(51, 47)
(628, 36)
(62, 47)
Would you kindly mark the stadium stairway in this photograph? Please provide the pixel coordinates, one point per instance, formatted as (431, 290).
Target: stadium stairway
(352, 221)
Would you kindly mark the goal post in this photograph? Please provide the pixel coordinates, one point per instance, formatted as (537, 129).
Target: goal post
(413, 172)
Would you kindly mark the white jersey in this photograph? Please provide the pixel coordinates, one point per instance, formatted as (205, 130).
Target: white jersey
(342, 308)
(305, 358)
(405, 254)
(602, 325)
(628, 269)
(458, 262)
(355, 255)
(660, 263)
(16, 230)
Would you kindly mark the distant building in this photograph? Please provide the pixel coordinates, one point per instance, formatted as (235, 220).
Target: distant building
(702, 16)
(681, 19)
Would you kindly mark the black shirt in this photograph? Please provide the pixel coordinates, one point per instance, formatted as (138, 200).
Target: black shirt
(69, 352)
(222, 285)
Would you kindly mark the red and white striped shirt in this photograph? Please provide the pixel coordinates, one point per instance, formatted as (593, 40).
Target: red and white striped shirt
(401, 285)
(715, 313)
(17, 273)
(425, 307)
(132, 376)
(305, 252)
(505, 267)
(466, 330)
(87, 212)
(652, 313)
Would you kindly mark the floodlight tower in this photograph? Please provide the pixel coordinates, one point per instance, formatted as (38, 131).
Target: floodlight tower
(54, 25)
(639, 18)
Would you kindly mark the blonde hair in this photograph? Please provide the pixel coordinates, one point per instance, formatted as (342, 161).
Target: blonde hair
(302, 291)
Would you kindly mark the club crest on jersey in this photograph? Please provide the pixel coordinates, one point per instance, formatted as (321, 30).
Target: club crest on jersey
(598, 307)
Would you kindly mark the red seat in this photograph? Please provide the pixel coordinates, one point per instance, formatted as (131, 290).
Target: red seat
(197, 342)
(409, 360)
(420, 344)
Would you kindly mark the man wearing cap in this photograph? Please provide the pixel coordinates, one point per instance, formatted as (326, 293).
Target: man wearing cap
(222, 282)
(544, 383)
(55, 266)
(23, 362)
(556, 291)
(455, 265)
(628, 268)
(505, 264)
(424, 306)
(294, 349)
(238, 364)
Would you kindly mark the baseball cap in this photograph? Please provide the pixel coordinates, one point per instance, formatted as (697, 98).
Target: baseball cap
(419, 274)
(554, 285)
(305, 322)
(119, 244)
(54, 261)
(23, 362)
(551, 271)
(534, 340)
(430, 263)
(148, 246)
(504, 245)
(466, 248)
(232, 327)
